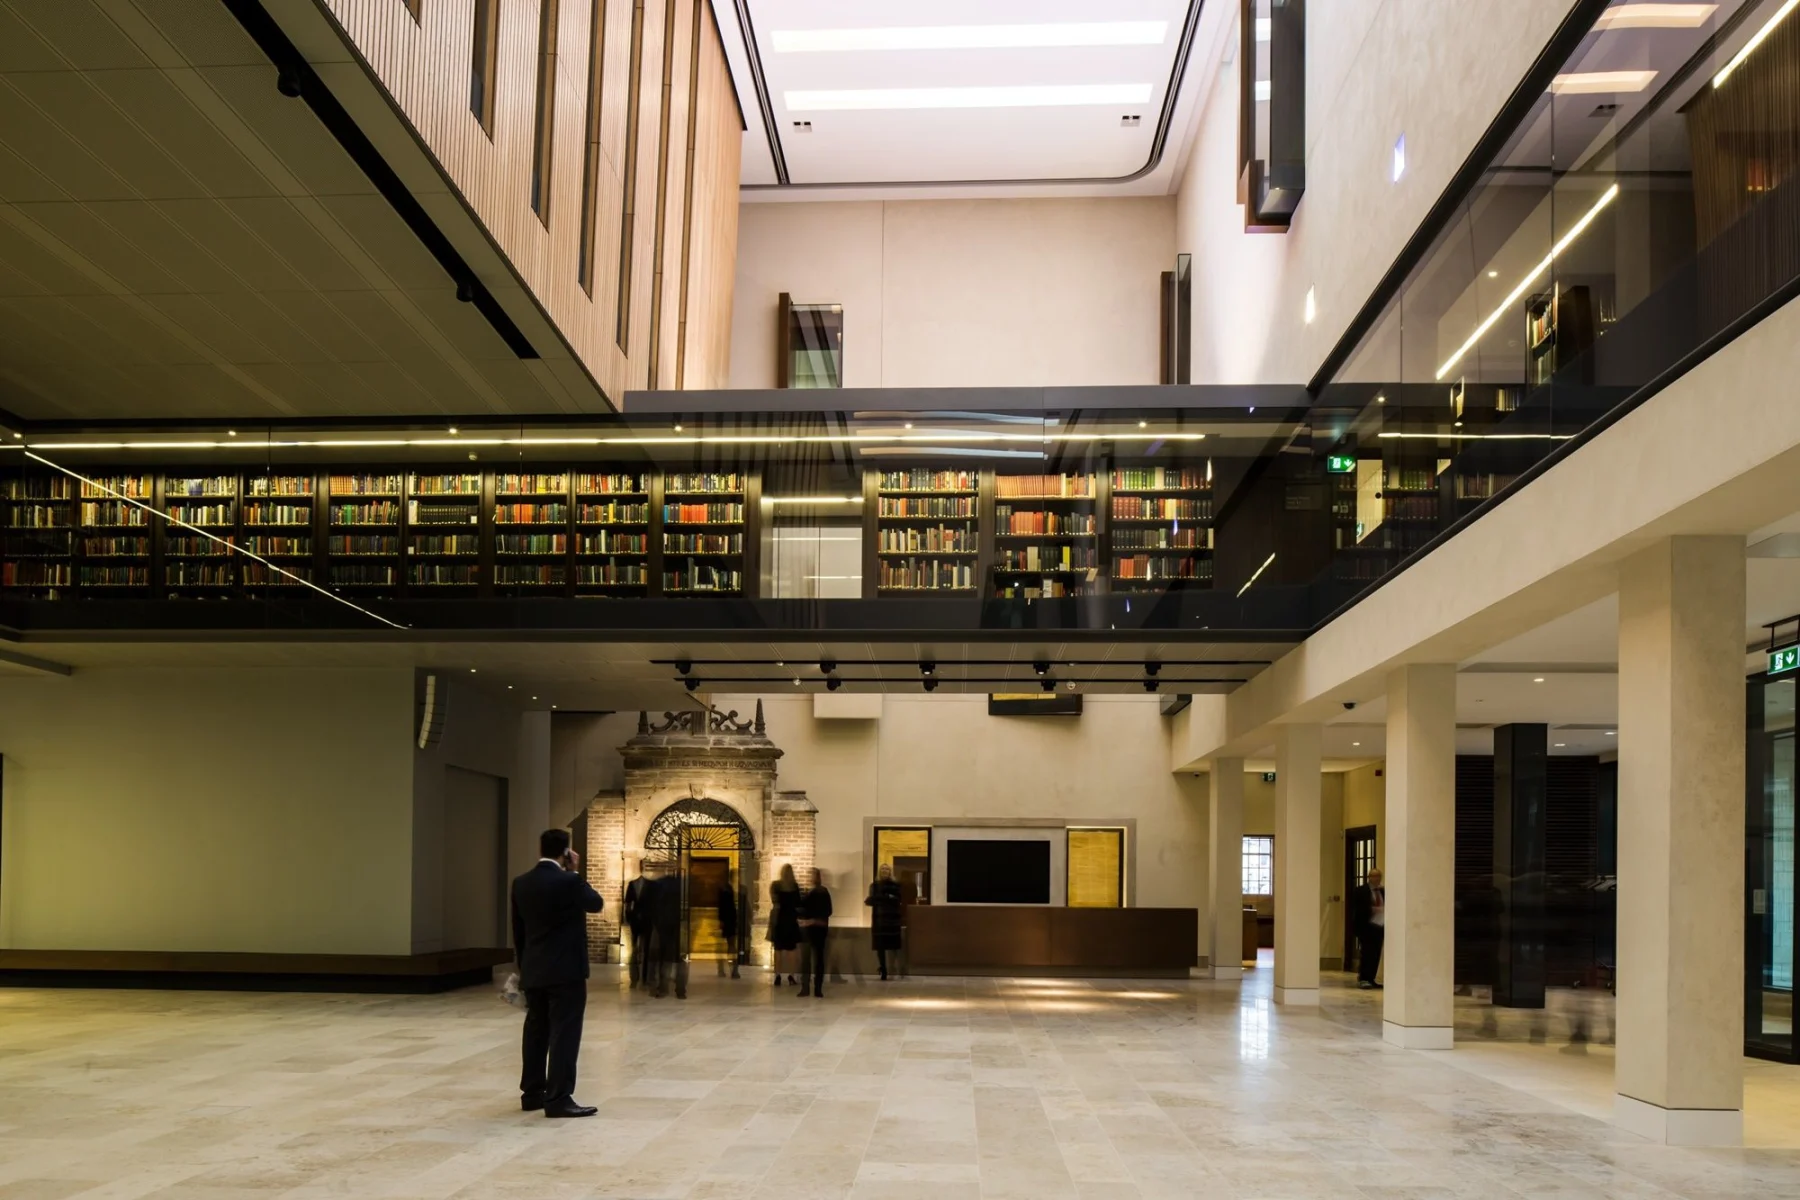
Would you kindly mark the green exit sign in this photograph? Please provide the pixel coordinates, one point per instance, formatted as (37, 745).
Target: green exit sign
(1340, 464)
(1784, 660)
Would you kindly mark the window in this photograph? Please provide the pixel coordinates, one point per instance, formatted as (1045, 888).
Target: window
(544, 136)
(908, 852)
(484, 62)
(1259, 865)
(590, 166)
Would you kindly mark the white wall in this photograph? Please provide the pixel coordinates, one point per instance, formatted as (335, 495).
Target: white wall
(258, 810)
(940, 758)
(1376, 69)
(973, 293)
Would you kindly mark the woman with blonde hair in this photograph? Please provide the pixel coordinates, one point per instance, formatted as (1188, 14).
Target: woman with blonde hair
(784, 922)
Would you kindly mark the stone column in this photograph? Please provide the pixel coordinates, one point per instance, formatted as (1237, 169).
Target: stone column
(1297, 788)
(1225, 833)
(1419, 958)
(1679, 1073)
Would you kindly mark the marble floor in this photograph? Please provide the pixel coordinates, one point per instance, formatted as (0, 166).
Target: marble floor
(944, 1089)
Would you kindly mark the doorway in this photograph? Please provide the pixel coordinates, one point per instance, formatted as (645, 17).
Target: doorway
(1359, 860)
(1772, 902)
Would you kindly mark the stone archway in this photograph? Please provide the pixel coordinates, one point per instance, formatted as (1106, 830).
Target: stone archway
(696, 813)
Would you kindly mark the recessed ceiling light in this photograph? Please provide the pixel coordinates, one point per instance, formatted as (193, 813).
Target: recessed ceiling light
(677, 428)
(1356, 743)
(453, 431)
(1606, 83)
(1612, 733)
(471, 670)
(1560, 745)
(509, 687)
(1069, 95)
(1655, 16)
(1493, 274)
(534, 697)
(231, 433)
(1539, 679)
(972, 37)
(1143, 424)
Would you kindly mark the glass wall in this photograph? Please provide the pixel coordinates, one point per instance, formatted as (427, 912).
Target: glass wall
(1772, 901)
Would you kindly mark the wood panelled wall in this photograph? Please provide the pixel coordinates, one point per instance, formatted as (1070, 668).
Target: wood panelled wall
(682, 241)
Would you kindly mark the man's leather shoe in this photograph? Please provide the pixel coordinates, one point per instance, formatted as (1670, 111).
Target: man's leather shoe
(568, 1108)
(531, 1103)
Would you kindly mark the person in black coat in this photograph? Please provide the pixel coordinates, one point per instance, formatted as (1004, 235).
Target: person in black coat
(1368, 917)
(637, 922)
(815, 926)
(784, 921)
(550, 904)
(669, 956)
(885, 916)
(728, 927)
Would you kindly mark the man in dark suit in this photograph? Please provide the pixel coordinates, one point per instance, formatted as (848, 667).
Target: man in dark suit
(664, 902)
(550, 904)
(637, 922)
(1368, 917)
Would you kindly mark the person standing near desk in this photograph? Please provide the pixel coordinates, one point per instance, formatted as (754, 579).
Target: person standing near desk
(886, 917)
(550, 904)
(815, 927)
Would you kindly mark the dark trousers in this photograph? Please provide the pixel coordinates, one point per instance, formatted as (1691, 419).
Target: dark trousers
(1368, 951)
(640, 954)
(667, 959)
(552, 1031)
(812, 958)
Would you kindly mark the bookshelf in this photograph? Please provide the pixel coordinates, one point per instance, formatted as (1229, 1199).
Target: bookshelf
(198, 538)
(116, 539)
(1160, 527)
(37, 513)
(612, 533)
(704, 531)
(531, 532)
(927, 532)
(278, 516)
(1046, 536)
(1559, 328)
(363, 542)
(443, 531)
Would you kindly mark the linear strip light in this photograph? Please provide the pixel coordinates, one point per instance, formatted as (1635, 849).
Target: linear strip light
(231, 548)
(1737, 60)
(1606, 198)
(1065, 95)
(1257, 575)
(973, 37)
(666, 440)
(1655, 16)
(1601, 83)
(815, 499)
(1483, 437)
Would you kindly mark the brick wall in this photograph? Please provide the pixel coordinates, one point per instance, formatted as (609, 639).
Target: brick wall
(602, 861)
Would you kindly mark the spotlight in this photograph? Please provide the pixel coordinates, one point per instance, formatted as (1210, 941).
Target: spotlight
(1151, 669)
(1040, 666)
(287, 82)
(927, 668)
(471, 670)
(833, 683)
(1069, 686)
(683, 666)
(827, 665)
(692, 684)
(454, 431)
(1048, 683)
(1150, 685)
(465, 290)
(931, 683)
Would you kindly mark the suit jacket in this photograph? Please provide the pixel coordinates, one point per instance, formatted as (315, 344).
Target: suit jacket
(1362, 906)
(635, 916)
(549, 916)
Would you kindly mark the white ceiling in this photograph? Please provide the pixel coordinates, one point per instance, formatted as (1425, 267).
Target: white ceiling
(938, 151)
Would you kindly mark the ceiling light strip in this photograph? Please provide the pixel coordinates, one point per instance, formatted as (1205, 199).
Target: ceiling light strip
(924, 440)
(230, 547)
(1256, 575)
(1655, 16)
(972, 37)
(1068, 95)
(1512, 297)
(1756, 39)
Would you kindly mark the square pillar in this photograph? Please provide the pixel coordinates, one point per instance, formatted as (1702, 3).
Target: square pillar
(1419, 957)
(1679, 1073)
(1225, 848)
(1297, 787)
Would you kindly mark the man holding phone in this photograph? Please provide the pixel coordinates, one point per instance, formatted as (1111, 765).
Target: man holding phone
(550, 904)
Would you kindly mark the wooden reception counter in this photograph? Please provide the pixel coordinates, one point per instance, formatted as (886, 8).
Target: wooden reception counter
(980, 939)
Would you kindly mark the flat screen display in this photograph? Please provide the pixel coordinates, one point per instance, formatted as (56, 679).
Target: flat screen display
(997, 872)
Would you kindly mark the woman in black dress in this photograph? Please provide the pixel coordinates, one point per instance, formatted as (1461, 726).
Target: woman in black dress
(784, 921)
(885, 916)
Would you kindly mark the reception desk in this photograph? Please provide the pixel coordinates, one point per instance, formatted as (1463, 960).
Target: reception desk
(1042, 940)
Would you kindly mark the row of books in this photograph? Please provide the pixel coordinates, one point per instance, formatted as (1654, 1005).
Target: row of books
(703, 543)
(531, 514)
(706, 482)
(191, 574)
(702, 577)
(530, 543)
(910, 540)
(38, 516)
(278, 546)
(1168, 508)
(212, 485)
(37, 487)
(1046, 589)
(1482, 487)
(531, 484)
(613, 514)
(134, 487)
(189, 546)
(278, 514)
(1410, 508)
(1151, 566)
(278, 485)
(609, 542)
(933, 506)
(112, 512)
(925, 575)
(443, 575)
(201, 514)
(374, 544)
(1041, 521)
(364, 485)
(702, 514)
(370, 512)
(604, 485)
(1062, 487)
(922, 479)
(445, 485)
(446, 544)
(1413, 479)
(426, 512)
(1160, 479)
(115, 547)
(1050, 558)
(1157, 538)
(612, 574)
